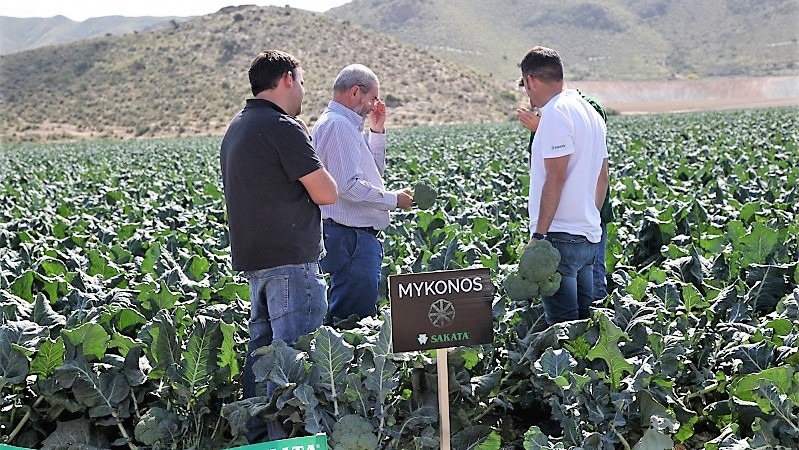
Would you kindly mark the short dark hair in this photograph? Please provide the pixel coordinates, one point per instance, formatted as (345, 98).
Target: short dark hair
(542, 63)
(268, 67)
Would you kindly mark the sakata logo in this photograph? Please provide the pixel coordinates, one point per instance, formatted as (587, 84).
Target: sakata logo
(422, 338)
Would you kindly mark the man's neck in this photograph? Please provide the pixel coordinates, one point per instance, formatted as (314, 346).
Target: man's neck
(272, 96)
(553, 89)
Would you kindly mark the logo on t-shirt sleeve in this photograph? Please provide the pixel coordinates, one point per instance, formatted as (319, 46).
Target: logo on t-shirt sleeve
(555, 147)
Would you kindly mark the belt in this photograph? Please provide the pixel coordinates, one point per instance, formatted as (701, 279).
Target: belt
(369, 230)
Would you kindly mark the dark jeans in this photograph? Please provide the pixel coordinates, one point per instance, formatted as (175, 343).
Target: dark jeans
(573, 299)
(286, 302)
(600, 275)
(353, 260)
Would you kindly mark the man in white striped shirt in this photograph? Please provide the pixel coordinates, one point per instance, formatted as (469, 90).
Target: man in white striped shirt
(356, 158)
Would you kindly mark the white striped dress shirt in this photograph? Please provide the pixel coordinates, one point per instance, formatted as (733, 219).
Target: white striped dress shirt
(356, 159)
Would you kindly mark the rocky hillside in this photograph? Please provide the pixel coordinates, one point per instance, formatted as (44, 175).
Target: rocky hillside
(598, 39)
(190, 78)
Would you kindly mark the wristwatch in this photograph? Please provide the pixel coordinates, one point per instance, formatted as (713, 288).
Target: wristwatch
(539, 236)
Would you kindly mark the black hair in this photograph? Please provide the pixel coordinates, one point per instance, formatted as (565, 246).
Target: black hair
(268, 68)
(542, 63)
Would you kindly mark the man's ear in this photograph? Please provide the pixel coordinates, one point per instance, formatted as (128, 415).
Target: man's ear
(529, 78)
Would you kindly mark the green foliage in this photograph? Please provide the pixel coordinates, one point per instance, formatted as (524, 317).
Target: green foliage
(353, 432)
(122, 324)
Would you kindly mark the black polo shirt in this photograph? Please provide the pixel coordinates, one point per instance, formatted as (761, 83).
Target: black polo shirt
(271, 217)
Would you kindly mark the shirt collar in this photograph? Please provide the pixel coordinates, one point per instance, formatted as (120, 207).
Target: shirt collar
(263, 103)
(349, 114)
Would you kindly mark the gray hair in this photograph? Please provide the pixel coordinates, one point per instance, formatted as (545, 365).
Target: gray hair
(355, 75)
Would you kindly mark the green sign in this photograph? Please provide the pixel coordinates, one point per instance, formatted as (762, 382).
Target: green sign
(317, 442)
(448, 308)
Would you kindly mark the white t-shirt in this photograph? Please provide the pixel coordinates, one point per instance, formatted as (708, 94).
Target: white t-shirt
(570, 126)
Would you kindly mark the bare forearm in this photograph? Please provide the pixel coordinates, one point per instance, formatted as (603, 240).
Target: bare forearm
(601, 185)
(550, 198)
(551, 191)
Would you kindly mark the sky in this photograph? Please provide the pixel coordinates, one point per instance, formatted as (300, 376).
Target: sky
(80, 10)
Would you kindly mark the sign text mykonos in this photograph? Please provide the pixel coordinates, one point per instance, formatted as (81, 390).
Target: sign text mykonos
(441, 309)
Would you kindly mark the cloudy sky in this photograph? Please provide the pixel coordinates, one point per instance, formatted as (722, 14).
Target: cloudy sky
(80, 10)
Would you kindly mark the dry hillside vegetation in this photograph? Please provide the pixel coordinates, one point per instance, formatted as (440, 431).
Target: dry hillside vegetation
(598, 39)
(191, 78)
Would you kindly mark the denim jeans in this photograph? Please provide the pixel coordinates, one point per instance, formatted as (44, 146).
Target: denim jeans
(286, 302)
(600, 280)
(573, 299)
(353, 261)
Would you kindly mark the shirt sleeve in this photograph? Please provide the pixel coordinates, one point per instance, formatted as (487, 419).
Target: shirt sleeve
(377, 145)
(339, 144)
(294, 147)
(559, 139)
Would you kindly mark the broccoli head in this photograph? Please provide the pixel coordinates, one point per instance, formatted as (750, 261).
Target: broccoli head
(548, 287)
(157, 425)
(353, 432)
(539, 261)
(519, 288)
(424, 195)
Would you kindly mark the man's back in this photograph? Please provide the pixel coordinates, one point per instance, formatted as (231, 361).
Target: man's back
(570, 126)
(270, 213)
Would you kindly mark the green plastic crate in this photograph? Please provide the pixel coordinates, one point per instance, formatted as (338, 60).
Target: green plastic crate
(316, 442)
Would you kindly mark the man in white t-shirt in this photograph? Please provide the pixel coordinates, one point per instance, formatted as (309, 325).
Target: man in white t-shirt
(568, 181)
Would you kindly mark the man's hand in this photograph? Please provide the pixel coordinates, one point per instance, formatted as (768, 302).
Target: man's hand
(529, 118)
(404, 198)
(377, 118)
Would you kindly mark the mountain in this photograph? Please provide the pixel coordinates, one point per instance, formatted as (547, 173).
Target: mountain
(598, 39)
(191, 78)
(18, 34)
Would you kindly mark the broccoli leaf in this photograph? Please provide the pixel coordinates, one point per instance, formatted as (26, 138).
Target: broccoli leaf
(332, 355)
(608, 349)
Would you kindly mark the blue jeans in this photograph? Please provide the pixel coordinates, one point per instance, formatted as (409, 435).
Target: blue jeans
(286, 302)
(573, 299)
(353, 261)
(600, 280)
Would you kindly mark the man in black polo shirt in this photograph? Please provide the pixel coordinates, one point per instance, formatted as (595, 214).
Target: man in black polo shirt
(274, 183)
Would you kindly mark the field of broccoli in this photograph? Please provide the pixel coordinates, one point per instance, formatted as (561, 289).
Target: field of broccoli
(122, 324)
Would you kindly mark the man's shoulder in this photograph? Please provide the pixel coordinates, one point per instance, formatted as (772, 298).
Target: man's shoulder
(333, 121)
(594, 103)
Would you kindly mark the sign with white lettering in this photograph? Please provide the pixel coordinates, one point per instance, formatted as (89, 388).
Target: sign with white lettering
(447, 308)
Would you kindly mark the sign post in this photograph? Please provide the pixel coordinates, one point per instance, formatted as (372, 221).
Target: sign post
(438, 310)
(443, 396)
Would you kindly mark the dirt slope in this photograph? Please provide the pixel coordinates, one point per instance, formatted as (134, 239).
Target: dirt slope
(630, 97)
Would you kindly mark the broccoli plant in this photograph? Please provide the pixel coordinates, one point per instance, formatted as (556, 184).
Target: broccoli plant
(424, 195)
(353, 432)
(537, 272)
